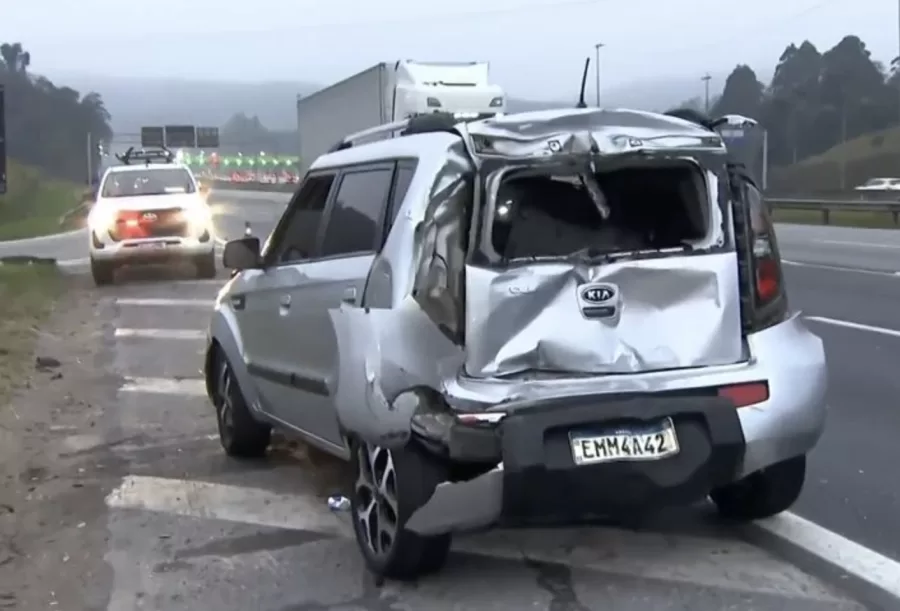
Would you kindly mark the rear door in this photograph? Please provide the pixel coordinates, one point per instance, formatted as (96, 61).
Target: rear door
(353, 232)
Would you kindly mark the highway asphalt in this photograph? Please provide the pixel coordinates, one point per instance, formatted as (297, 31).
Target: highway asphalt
(845, 281)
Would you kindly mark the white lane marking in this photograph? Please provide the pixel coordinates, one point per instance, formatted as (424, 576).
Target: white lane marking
(74, 262)
(193, 387)
(854, 325)
(189, 334)
(705, 560)
(225, 502)
(836, 268)
(216, 281)
(43, 238)
(155, 302)
(860, 244)
(853, 558)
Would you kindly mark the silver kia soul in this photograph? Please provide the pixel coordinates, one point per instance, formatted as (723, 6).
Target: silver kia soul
(530, 318)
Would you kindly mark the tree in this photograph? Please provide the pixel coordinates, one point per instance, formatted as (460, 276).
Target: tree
(15, 58)
(48, 126)
(742, 95)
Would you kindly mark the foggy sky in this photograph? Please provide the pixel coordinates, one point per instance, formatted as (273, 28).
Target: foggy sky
(535, 46)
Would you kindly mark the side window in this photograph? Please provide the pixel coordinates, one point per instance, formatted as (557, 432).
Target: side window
(354, 220)
(295, 236)
(403, 175)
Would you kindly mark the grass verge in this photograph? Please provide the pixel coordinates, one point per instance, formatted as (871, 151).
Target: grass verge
(34, 205)
(27, 295)
(849, 218)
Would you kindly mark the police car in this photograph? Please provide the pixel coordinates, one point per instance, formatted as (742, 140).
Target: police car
(149, 210)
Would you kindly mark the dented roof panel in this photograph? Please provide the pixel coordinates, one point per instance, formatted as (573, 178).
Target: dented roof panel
(580, 131)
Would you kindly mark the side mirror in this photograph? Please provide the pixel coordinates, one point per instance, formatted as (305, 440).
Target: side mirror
(242, 254)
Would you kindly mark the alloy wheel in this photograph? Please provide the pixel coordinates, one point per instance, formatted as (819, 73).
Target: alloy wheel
(376, 499)
(226, 407)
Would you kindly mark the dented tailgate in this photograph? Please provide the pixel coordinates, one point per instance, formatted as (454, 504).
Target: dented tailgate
(623, 317)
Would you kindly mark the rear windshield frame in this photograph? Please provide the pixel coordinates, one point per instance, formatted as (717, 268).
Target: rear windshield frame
(126, 175)
(492, 172)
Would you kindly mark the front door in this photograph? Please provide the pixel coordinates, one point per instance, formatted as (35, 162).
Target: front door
(271, 357)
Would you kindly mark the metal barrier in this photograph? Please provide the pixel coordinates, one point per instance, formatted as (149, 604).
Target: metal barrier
(885, 203)
(827, 207)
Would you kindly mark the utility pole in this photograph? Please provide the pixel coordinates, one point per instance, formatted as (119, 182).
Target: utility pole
(597, 48)
(706, 78)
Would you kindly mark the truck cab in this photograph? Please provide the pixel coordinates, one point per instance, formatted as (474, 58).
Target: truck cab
(428, 87)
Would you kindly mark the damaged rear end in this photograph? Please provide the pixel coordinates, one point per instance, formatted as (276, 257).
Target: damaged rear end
(576, 296)
(598, 252)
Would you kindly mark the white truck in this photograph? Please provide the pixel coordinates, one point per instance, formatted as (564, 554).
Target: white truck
(389, 92)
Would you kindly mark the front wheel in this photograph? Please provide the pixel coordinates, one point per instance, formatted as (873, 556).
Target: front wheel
(389, 486)
(763, 494)
(240, 434)
(102, 271)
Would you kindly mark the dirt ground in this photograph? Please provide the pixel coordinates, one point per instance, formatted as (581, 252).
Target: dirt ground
(52, 518)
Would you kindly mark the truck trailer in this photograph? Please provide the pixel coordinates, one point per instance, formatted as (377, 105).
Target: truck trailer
(389, 92)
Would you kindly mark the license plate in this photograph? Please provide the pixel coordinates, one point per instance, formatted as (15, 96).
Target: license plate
(625, 444)
(152, 245)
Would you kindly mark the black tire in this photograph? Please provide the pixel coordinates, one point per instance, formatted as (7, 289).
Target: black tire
(206, 265)
(410, 555)
(240, 434)
(103, 272)
(762, 494)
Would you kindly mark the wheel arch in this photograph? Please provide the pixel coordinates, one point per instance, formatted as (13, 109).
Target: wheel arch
(226, 342)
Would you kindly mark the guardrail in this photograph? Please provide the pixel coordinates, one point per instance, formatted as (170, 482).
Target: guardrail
(827, 208)
(875, 203)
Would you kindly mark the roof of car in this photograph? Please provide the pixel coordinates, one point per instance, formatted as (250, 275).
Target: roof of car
(571, 119)
(608, 131)
(141, 166)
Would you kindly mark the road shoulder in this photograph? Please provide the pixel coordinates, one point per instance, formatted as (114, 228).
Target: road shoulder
(52, 514)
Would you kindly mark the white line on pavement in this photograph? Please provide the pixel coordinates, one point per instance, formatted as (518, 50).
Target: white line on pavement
(225, 502)
(154, 302)
(73, 262)
(836, 268)
(860, 562)
(194, 387)
(194, 334)
(860, 244)
(854, 325)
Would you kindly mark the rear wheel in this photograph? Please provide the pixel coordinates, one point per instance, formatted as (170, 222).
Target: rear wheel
(206, 265)
(762, 494)
(240, 434)
(389, 486)
(103, 272)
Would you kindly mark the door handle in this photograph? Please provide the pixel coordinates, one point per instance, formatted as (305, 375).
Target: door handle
(349, 295)
(285, 301)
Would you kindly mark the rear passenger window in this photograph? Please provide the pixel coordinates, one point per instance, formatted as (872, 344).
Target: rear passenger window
(302, 220)
(354, 221)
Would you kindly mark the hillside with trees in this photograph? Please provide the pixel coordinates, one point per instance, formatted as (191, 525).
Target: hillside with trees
(814, 102)
(47, 125)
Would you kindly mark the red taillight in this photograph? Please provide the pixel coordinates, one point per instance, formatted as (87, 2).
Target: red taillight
(128, 225)
(767, 267)
(768, 279)
(743, 395)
